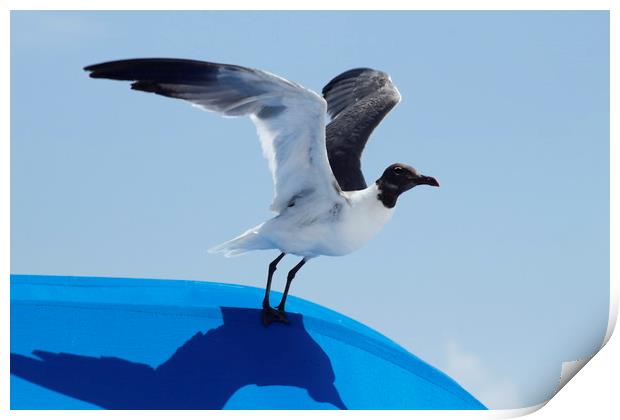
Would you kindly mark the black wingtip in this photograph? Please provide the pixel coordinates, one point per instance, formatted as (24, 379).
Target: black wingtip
(97, 70)
(161, 70)
(147, 87)
(103, 71)
(91, 70)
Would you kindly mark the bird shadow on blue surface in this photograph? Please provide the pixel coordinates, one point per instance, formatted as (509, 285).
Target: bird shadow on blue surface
(201, 374)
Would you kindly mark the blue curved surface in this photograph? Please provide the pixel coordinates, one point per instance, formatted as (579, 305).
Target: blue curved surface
(115, 343)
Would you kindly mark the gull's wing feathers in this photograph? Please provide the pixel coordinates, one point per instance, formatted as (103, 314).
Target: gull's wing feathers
(290, 119)
(357, 101)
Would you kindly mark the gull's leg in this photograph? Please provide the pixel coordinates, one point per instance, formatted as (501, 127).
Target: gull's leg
(270, 314)
(289, 280)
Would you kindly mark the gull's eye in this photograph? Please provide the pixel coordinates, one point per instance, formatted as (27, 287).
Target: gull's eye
(398, 170)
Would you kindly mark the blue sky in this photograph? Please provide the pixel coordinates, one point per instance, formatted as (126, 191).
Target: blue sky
(496, 277)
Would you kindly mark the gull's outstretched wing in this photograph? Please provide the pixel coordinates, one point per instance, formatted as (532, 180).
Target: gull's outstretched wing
(357, 101)
(290, 119)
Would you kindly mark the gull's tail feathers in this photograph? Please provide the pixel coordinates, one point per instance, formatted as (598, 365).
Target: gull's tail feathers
(251, 240)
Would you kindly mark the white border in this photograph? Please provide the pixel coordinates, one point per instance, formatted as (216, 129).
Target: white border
(311, 5)
(596, 389)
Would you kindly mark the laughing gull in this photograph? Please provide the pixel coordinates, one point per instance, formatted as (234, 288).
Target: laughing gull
(323, 204)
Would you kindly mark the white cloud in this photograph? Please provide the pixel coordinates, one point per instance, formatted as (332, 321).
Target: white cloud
(488, 386)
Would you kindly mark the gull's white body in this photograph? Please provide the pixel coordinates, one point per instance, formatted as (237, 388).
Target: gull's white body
(310, 229)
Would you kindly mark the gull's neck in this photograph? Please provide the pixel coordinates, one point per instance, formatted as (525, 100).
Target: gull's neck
(386, 193)
(365, 217)
(372, 196)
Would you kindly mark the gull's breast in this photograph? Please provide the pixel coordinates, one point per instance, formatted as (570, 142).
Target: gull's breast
(334, 229)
